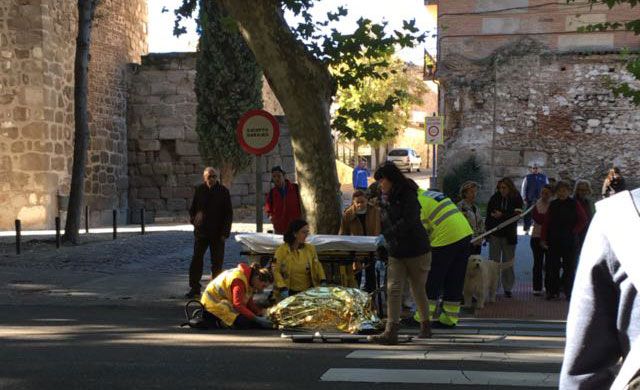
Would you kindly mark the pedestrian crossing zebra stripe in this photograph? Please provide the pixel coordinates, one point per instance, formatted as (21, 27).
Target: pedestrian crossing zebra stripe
(453, 377)
(460, 355)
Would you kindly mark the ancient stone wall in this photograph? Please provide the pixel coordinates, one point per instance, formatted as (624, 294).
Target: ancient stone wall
(37, 49)
(527, 105)
(164, 161)
(119, 38)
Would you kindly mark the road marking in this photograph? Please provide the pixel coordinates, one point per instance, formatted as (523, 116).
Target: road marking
(459, 355)
(494, 332)
(454, 377)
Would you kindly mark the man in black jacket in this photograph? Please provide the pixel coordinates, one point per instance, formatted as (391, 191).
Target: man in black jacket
(211, 215)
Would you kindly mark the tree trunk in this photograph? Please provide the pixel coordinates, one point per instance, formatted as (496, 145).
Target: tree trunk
(227, 174)
(304, 88)
(86, 11)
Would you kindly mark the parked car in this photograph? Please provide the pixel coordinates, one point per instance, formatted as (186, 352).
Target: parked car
(405, 158)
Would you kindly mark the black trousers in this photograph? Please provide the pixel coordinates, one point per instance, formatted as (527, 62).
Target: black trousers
(562, 254)
(539, 254)
(200, 246)
(448, 268)
(528, 219)
(369, 278)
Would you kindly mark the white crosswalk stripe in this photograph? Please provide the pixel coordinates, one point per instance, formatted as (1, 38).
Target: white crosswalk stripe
(475, 354)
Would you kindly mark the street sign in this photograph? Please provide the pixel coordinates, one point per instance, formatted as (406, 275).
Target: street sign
(433, 129)
(258, 132)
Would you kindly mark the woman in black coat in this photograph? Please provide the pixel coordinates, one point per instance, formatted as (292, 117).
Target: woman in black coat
(504, 204)
(408, 246)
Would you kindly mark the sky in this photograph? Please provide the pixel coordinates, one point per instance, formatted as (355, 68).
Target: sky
(161, 37)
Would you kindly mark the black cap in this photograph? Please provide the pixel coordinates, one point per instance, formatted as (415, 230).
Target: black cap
(277, 168)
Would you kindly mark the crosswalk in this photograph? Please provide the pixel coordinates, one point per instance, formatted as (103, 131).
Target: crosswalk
(479, 354)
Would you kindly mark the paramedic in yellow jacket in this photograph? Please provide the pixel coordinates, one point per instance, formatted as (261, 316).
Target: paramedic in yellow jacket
(450, 234)
(296, 266)
(228, 299)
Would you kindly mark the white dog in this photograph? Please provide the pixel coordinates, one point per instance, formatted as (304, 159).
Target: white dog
(481, 280)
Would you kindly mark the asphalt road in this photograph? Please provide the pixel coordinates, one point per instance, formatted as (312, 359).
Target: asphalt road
(128, 347)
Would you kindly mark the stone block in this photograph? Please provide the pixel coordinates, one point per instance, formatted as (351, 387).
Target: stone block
(183, 192)
(236, 201)
(45, 181)
(35, 130)
(17, 147)
(507, 157)
(586, 42)
(497, 5)
(146, 169)
(187, 148)
(148, 145)
(166, 192)
(500, 25)
(539, 158)
(172, 132)
(162, 168)
(148, 193)
(9, 132)
(155, 204)
(239, 189)
(58, 163)
(248, 201)
(34, 162)
(176, 204)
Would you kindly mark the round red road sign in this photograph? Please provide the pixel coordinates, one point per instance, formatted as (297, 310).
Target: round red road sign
(258, 132)
(433, 131)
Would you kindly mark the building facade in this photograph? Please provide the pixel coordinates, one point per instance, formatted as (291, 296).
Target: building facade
(520, 85)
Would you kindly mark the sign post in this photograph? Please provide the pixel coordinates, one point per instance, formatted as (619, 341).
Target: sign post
(258, 133)
(433, 130)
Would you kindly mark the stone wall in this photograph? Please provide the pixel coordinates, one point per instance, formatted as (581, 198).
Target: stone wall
(119, 38)
(37, 50)
(164, 161)
(527, 104)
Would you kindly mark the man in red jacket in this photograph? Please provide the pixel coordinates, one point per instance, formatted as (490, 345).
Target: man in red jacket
(283, 203)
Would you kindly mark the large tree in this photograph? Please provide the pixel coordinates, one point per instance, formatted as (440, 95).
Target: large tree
(296, 61)
(377, 109)
(86, 12)
(228, 83)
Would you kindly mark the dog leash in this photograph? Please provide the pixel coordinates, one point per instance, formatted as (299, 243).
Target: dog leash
(503, 224)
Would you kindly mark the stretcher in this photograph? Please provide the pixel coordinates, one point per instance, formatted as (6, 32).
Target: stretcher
(333, 250)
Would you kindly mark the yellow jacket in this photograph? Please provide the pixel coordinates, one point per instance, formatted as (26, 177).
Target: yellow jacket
(298, 269)
(442, 219)
(217, 298)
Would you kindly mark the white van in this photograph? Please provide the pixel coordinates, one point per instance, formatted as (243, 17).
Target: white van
(405, 158)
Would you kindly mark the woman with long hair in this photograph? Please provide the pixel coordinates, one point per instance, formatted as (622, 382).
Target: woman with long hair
(408, 247)
(295, 265)
(613, 183)
(470, 209)
(504, 204)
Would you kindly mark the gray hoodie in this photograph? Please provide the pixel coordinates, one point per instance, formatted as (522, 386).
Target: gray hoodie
(604, 316)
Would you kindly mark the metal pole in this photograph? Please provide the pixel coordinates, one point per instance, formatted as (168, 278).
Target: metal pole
(141, 221)
(433, 182)
(115, 224)
(86, 219)
(18, 235)
(57, 232)
(259, 193)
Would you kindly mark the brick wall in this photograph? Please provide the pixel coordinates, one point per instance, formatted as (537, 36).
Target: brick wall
(164, 161)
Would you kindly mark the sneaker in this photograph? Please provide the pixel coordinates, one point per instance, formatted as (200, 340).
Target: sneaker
(192, 294)
(507, 294)
(537, 293)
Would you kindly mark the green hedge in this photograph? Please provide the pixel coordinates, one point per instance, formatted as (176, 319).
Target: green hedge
(468, 170)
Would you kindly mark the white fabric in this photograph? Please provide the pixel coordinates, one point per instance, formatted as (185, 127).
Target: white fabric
(268, 243)
(622, 238)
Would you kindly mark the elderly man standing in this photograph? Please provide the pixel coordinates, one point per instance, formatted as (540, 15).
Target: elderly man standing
(211, 216)
(532, 185)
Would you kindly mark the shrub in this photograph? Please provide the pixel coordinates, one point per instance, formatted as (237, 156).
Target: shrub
(468, 170)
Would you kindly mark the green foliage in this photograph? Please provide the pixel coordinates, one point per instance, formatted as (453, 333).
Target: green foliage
(353, 56)
(467, 170)
(228, 83)
(380, 106)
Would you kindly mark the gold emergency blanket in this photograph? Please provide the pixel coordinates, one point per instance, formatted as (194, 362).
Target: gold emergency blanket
(326, 309)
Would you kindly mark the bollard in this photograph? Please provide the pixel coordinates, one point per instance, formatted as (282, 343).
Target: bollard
(18, 235)
(115, 224)
(86, 219)
(141, 221)
(57, 232)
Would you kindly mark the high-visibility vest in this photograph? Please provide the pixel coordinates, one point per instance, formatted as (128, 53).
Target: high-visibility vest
(218, 299)
(442, 219)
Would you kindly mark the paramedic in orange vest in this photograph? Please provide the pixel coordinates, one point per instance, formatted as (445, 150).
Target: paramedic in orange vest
(283, 203)
(228, 299)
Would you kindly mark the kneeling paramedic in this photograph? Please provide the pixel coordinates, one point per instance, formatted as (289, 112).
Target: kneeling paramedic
(228, 299)
(450, 235)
